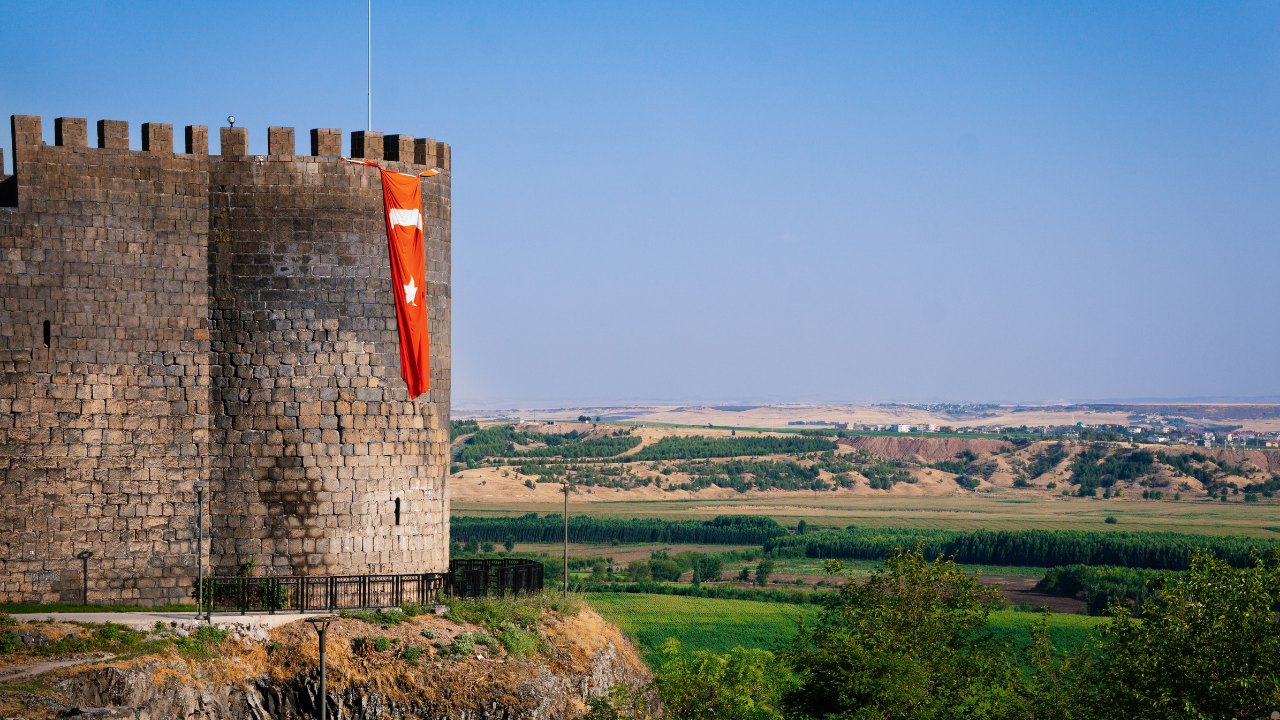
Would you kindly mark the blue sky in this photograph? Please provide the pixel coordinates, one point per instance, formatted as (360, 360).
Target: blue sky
(774, 201)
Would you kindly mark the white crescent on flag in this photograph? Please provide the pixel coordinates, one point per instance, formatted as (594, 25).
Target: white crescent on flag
(409, 218)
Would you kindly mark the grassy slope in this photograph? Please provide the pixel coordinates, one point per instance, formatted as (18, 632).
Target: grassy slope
(720, 625)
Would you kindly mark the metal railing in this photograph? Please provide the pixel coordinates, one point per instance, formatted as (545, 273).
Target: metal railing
(306, 593)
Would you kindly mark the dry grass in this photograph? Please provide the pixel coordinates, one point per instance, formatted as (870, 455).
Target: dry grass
(571, 636)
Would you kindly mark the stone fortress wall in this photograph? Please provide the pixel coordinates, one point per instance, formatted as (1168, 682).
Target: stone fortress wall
(174, 318)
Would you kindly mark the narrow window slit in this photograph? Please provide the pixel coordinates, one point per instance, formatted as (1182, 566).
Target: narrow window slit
(397, 511)
(47, 333)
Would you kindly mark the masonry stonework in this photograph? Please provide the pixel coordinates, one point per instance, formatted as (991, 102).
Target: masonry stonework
(180, 318)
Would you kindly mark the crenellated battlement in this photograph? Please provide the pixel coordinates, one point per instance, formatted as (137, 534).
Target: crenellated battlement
(179, 320)
(157, 139)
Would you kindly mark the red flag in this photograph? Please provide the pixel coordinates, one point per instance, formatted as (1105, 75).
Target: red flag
(402, 197)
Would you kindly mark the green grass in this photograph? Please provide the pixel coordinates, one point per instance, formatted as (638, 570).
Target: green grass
(1066, 631)
(721, 625)
(700, 623)
(17, 608)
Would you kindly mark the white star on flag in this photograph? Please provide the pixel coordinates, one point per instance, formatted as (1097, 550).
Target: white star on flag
(411, 292)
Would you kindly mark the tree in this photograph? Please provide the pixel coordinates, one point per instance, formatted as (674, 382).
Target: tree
(598, 571)
(583, 418)
(509, 543)
(473, 544)
(708, 567)
(639, 571)
(1208, 646)
(740, 685)
(665, 569)
(763, 570)
(910, 641)
(487, 547)
(800, 527)
(744, 574)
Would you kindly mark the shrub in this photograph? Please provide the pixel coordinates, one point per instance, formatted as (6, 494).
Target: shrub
(411, 655)
(908, 641)
(411, 609)
(740, 684)
(1111, 520)
(200, 644)
(463, 644)
(429, 634)
(383, 618)
(381, 644)
(519, 642)
(8, 641)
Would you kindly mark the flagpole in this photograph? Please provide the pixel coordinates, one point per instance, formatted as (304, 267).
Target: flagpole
(370, 127)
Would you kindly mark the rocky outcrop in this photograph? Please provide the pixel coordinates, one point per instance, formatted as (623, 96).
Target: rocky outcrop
(476, 689)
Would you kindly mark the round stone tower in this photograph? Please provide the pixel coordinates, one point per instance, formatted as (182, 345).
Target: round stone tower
(178, 320)
(326, 465)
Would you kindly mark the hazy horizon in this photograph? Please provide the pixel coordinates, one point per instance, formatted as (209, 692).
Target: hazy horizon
(800, 203)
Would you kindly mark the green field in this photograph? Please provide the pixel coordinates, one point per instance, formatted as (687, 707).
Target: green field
(700, 623)
(721, 625)
(1006, 510)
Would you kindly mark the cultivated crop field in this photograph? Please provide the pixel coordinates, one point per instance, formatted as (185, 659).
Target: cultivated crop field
(1002, 511)
(721, 625)
(700, 623)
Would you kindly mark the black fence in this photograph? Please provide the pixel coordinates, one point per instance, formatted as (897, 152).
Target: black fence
(303, 593)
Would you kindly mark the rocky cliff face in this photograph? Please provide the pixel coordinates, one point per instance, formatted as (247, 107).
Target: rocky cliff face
(428, 668)
(494, 691)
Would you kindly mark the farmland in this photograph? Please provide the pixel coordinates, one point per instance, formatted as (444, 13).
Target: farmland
(720, 625)
(989, 511)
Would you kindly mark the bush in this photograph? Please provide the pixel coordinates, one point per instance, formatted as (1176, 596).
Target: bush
(1111, 520)
(411, 655)
(8, 641)
(382, 618)
(200, 644)
(909, 641)
(430, 634)
(520, 642)
(746, 684)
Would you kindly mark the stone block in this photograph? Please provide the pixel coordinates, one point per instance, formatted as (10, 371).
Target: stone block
(233, 141)
(326, 142)
(25, 130)
(280, 141)
(71, 132)
(424, 152)
(197, 140)
(366, 144)
(157, 138)
(398, 147)
(113, 134)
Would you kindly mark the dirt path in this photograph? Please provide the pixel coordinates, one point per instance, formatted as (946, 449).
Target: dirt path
(15, 672)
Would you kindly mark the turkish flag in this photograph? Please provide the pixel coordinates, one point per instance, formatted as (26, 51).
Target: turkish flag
(402, 197)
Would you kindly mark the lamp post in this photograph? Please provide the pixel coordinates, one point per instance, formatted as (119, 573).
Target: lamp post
(321, 624)
(84, 556)
(199, 486)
